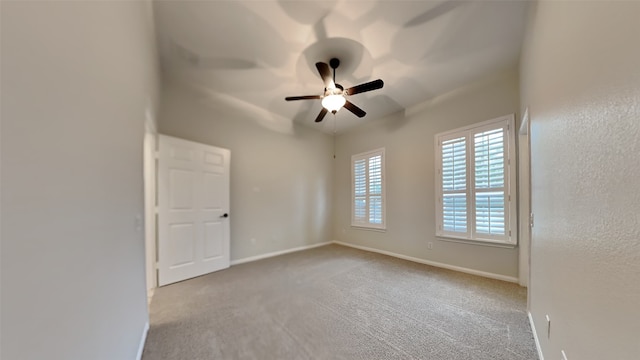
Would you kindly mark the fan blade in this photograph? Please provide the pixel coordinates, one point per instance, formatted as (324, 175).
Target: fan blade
(354, 109)
(323, 112)
(325, 74)
(305, 97)
(372, 85)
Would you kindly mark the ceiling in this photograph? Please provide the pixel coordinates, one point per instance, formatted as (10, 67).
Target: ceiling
(252, 54)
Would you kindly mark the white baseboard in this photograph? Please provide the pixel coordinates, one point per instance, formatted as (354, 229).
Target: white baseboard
(535, 335)
(142, 341)
(433, 263)
(276, 253)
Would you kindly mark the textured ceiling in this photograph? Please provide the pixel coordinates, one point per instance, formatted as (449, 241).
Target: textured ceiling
(252, 54)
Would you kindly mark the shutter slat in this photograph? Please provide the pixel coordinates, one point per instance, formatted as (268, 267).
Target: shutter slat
(375, 175)
(490, 214)
(489, 159)
(454, 164)
(359, 209)
(454, 211)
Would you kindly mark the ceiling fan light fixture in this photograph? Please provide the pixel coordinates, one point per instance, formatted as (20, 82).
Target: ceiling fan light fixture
(334, 98)
(333, 102)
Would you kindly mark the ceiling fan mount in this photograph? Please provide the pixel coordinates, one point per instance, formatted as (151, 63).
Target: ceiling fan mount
(334, 96)
(334, 63)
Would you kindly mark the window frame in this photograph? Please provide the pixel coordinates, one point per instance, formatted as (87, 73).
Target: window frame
(509, 238)
(367, 224)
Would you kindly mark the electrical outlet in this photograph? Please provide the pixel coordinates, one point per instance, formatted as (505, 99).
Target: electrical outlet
(430, 245)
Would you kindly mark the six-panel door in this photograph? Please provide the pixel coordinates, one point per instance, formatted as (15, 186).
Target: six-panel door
(193, 208)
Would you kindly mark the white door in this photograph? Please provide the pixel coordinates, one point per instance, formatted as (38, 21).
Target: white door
(193, 209)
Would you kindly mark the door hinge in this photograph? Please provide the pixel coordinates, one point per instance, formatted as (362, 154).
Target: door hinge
(531, 220)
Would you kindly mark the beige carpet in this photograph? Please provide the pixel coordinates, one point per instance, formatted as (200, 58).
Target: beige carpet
(335, 302)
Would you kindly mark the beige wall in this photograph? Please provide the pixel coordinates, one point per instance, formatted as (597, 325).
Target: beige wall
(581, 81)
(76, 79)
(408, 139)
(281, 173)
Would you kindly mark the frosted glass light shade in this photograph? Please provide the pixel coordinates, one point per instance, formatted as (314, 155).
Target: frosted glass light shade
(333, 103)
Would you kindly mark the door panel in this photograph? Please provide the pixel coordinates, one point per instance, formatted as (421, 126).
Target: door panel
(181, 185)
(212, 247)
(193, 196)
(182, 239)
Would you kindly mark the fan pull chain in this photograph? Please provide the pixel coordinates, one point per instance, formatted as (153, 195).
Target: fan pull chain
(334, 135)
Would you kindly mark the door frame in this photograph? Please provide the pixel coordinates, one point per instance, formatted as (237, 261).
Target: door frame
(524, 203)
(150, 173)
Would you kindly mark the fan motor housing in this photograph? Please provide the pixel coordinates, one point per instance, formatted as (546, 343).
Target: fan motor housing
(336, 91)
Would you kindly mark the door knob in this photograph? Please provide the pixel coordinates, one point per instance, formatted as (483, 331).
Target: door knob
(225, 215)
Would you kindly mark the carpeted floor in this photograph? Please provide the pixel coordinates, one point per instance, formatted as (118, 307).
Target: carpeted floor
(336, 302)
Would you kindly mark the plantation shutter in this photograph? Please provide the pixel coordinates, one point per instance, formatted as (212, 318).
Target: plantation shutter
(454, 185)
(368, 189)
(489, 173)
(360, 190)
(474, 181)
(375, 189)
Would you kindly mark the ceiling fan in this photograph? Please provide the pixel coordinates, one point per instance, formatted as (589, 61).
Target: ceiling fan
(334, 97)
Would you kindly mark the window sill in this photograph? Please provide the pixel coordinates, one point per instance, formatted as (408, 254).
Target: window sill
(491, 243)
(360, 227)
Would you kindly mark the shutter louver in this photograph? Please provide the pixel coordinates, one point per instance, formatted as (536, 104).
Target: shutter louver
(375, 210)
(360, 190)
(489, 159)
(375, 190)
(454, 164)
(490, 213)
(454, 185)
(489, 151)
(454, 212)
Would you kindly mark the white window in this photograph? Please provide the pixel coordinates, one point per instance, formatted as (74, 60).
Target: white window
(475, 182)
(367, 174)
